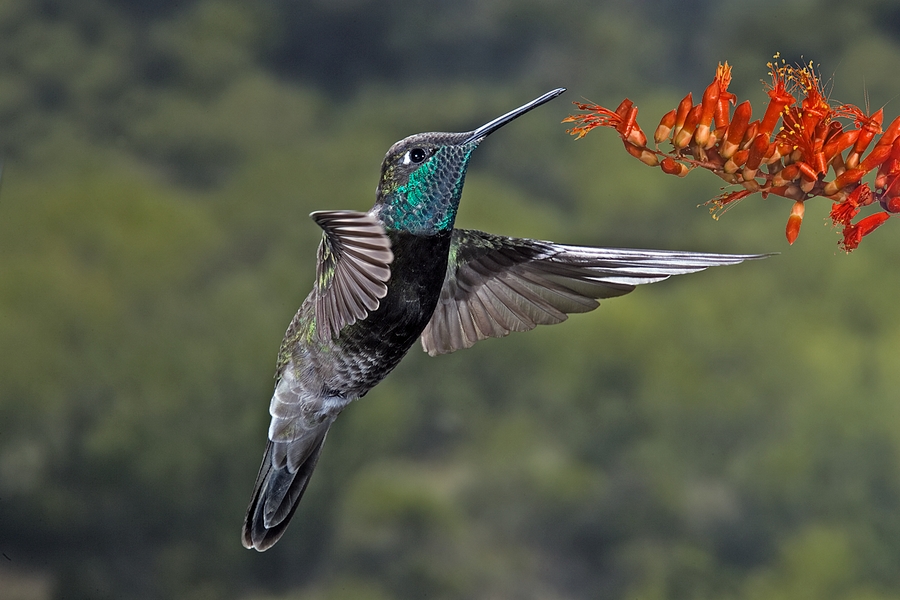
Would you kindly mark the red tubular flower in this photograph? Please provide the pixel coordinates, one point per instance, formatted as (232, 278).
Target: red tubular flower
(878, 155)
(627, 127)
(665, 127)
(838, 143)
(684, 136)
(808, 176)
(853, 234)
(758, 149)
(890, 134)
(632, 133)
(790, 191)
(597, 117)
(844, 212)
(792, 230)
(720, 118)
(869, 127)
(641, 153)
(848, 177)
(624, 107)
(750, 134)
(736, 161)
(815, 108)
(681, 113)
(672, 167)
(807, 127)
(806, 135)
(734, 135)
(707, 112)
(889, 167)
(623, 120)
(786, 175)
(779, 97)
(723, 79)
(834, 129)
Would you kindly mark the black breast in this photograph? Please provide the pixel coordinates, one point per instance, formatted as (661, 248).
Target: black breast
(417, 275)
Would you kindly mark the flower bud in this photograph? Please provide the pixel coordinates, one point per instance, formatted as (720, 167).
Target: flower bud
(794, 221)
(672, 167)
(665, 127)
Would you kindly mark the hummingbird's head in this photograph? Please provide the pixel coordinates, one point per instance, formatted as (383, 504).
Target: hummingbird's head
(422, 175)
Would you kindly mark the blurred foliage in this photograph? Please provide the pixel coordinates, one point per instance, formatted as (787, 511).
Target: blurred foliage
(732, 434)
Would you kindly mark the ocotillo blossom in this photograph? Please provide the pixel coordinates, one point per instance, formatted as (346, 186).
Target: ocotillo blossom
(819, 148)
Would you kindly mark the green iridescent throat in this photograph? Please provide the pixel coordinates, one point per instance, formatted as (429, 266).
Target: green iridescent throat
(429, 200)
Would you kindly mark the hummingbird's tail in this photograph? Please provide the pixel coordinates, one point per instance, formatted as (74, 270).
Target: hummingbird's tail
(277, 493)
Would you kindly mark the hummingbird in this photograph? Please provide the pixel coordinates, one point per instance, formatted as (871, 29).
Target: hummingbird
(401, 272)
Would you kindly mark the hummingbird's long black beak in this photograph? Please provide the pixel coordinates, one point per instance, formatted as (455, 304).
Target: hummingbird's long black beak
(492, 126)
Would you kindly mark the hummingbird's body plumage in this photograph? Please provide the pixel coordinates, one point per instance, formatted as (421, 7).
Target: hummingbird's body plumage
(400, 273)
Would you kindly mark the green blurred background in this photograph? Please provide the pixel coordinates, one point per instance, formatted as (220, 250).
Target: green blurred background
(733, 434)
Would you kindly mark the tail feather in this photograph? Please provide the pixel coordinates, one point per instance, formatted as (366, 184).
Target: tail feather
(276, 495)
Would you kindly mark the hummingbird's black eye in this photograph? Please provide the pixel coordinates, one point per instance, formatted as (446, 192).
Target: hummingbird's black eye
(417, 155)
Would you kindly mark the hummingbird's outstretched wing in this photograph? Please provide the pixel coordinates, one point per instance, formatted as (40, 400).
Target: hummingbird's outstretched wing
(495, 284)
(352, 270)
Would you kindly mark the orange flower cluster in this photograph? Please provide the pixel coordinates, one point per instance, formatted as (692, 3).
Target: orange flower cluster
(792, 161)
